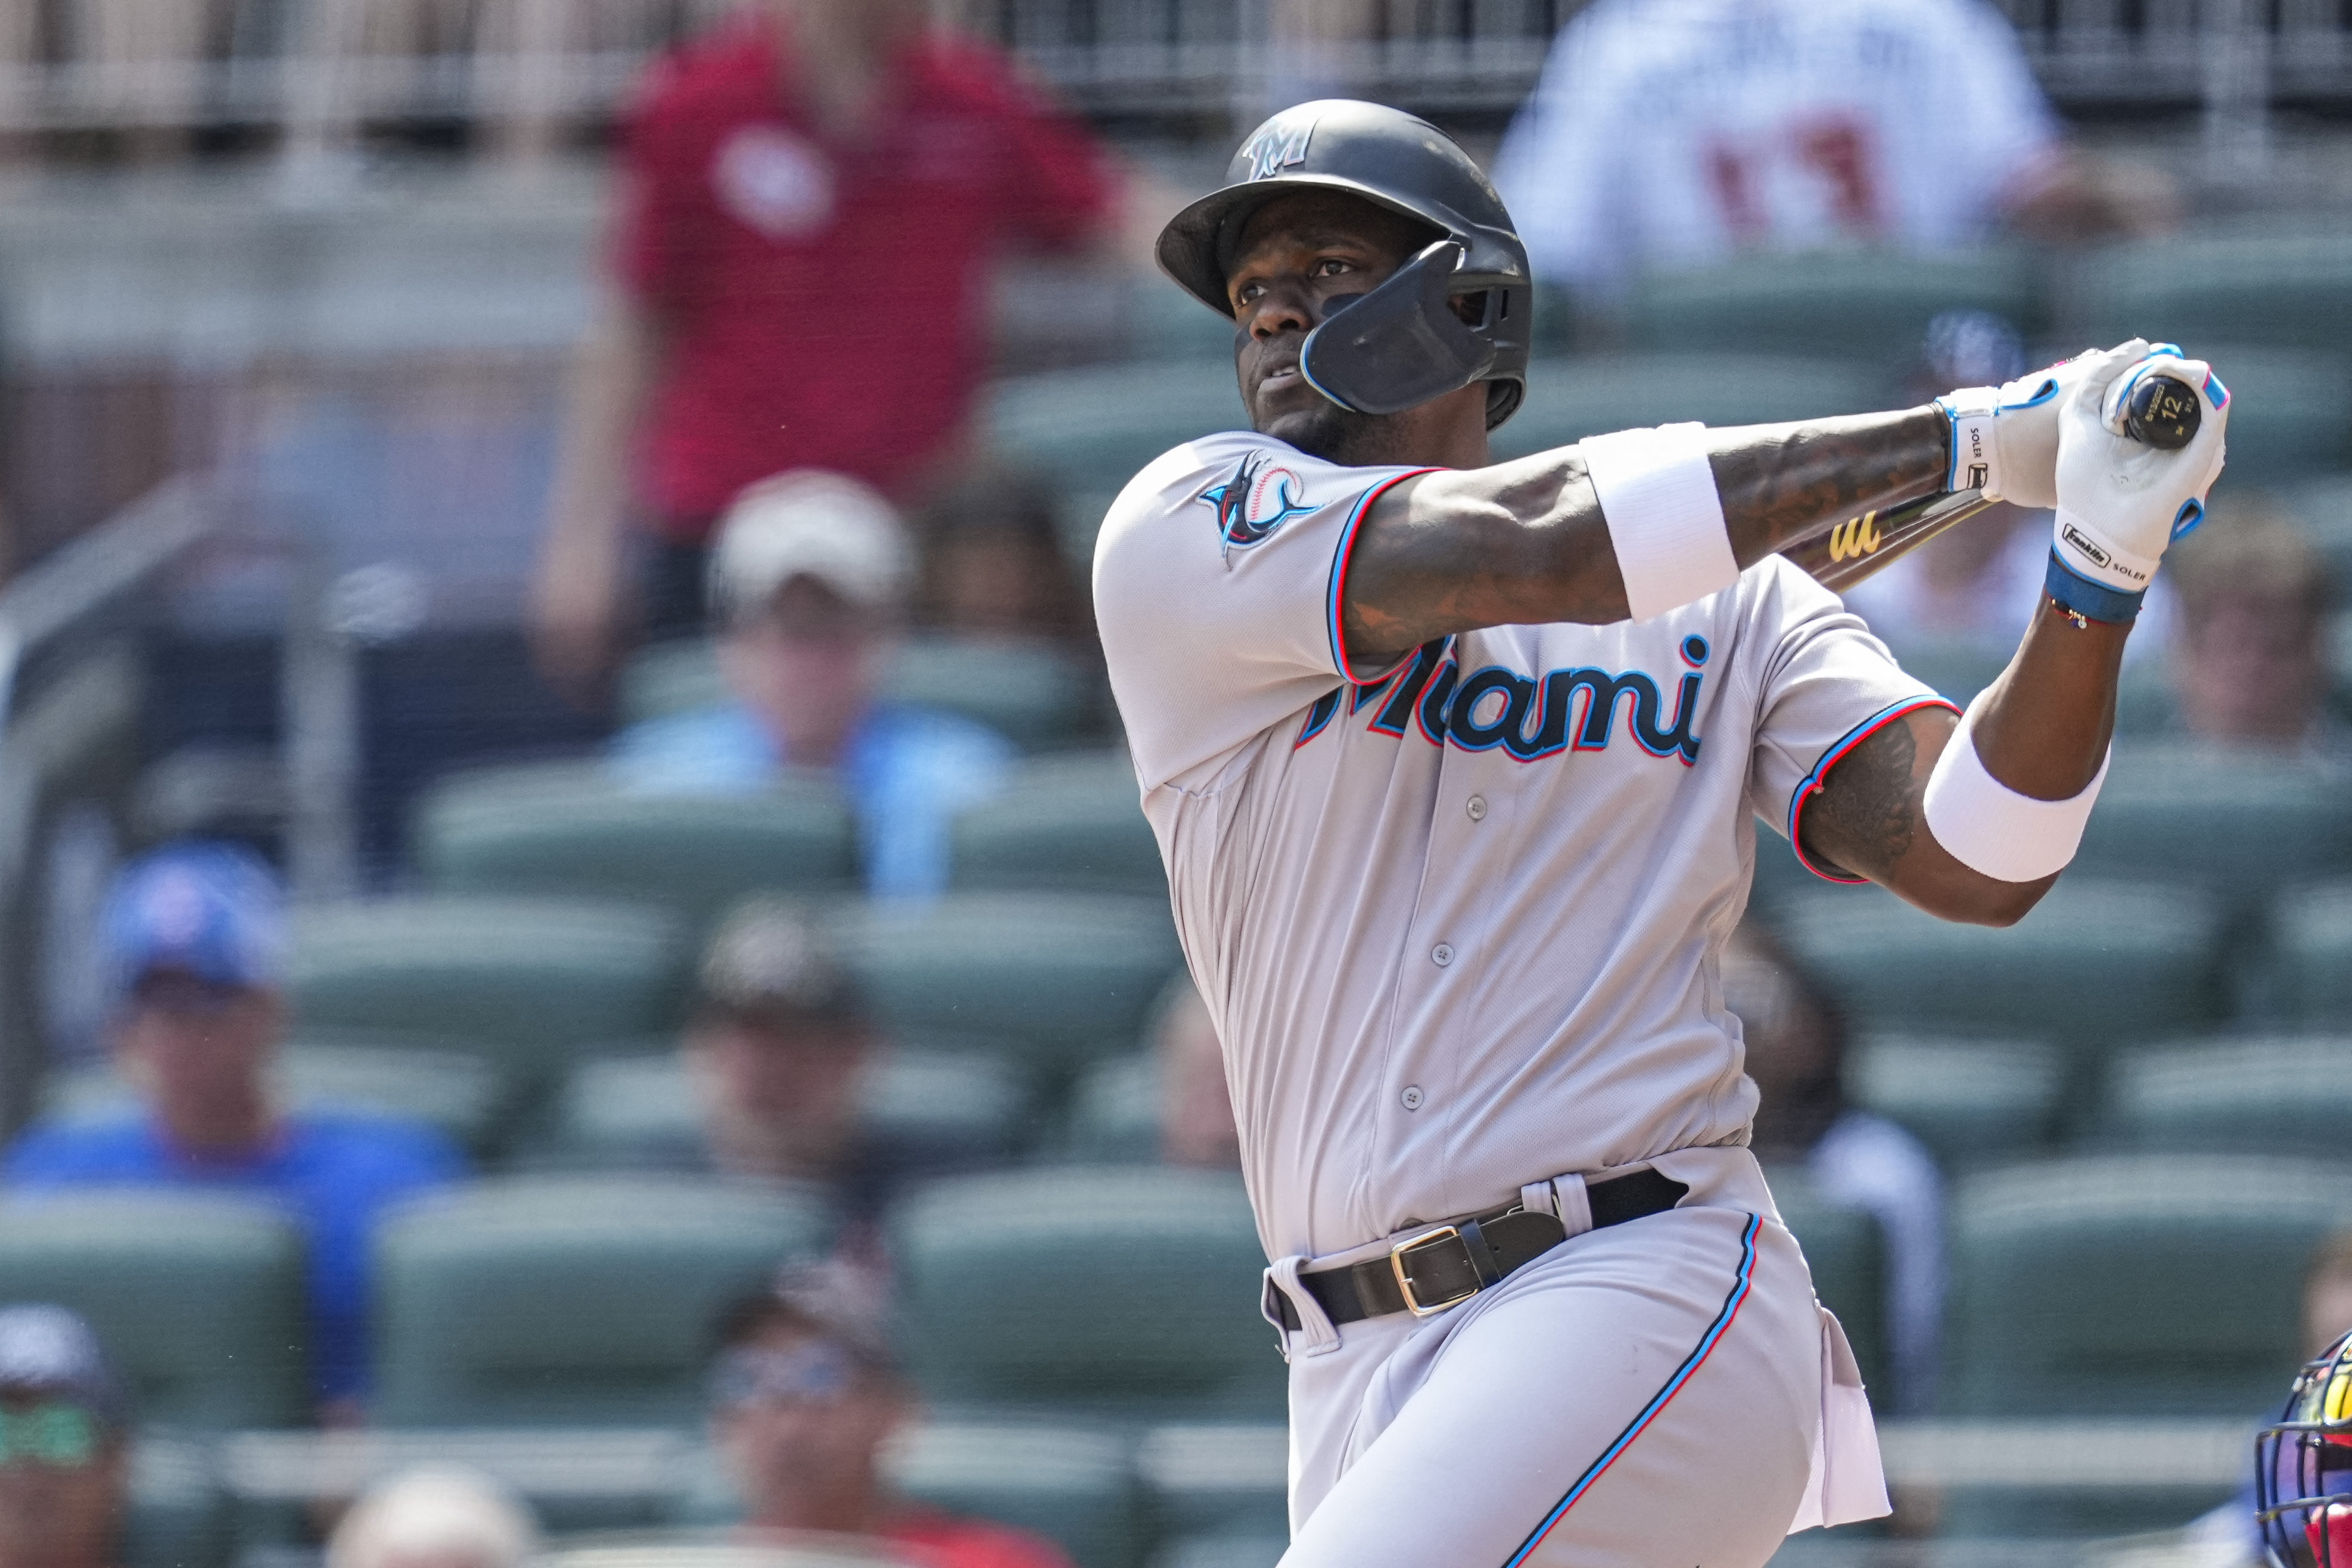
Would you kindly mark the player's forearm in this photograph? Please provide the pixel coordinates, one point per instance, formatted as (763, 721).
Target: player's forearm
(1526, 542)
(2043, 728)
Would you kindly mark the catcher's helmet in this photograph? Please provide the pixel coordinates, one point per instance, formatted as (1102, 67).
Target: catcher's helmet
(1401, 345)
(2302, 1467)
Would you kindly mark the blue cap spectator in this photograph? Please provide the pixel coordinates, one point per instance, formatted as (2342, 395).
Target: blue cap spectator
(195, 942)
(64, 1436)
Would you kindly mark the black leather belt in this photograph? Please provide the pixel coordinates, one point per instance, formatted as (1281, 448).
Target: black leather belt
(1450, 1263)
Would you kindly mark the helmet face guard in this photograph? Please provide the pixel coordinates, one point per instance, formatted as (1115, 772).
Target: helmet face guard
(2302, 1467)
(1399, 344)
(1402, 344)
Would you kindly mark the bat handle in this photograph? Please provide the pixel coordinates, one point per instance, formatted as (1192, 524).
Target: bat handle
(2163, 412)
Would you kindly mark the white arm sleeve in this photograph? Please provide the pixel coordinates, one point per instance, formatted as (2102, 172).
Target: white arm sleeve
(1217, 581)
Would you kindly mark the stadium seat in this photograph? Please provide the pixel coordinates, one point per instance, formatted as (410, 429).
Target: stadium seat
(1570, 399)
(1072, 823)
(567, 830)
(1969, 1100)
(1056, 979)
(1872, 306)
(1116, 1291)
(929, 1109)
(2311, 936)
(1847, 1250)
(1091, 429)
(1114, 1114)
(2096, 965)
(456, 1093)
(2287, 421)
(198, 1298)
(1221, 1550)
(1037, 698)
(1217, 1478)
(1072, 1485)
(552, 1300)
(2163, 1284)
(2287, 821)
(526, 982)
(2253, 1095)
(1961, 666)
(179, 1515)
(2324, 506)
(2290, 287)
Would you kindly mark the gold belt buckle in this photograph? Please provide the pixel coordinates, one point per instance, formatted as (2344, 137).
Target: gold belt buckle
(1404, 1286)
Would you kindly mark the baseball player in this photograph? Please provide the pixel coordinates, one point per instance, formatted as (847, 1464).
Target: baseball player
(1454, 765)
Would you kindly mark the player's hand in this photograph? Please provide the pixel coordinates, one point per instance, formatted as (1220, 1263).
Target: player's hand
(2010, 432)
(2120, 504)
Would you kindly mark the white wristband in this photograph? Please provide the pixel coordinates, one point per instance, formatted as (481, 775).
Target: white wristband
(1990, 827)
(1666, 521)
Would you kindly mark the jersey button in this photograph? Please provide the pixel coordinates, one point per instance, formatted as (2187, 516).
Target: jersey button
(1442, 954)
(1476, 808)
(1412, 1096)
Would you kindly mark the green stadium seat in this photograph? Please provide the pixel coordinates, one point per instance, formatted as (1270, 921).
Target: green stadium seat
(568, 830)
(1108, 1291)
(1780, 875)
(1217, 1478)
(2096, 965)
(1870, 305)
(674, 677)
(179, 1514)
(1114, 1114)
(1091, 429)
(1073, 1485)
(1072, 823)
(1169, 324)
(1054, 978)
(1588, 395)
(716, 1551)
(1961, 666)
(1969, 1100)
(1847, 1250)
(2311, 937)
(2285, 821)
(2270, 1095)
(2154, 1285)
(197, 1297)
(1223, 1551)
(524, 981)
(1037, 698)
(640, 1110)
(2324, 506)
(553, 1300)
(2290, 286)
(2287, 419)
(451, 1090)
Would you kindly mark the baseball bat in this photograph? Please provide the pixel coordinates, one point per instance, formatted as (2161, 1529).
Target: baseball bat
(2162, 412)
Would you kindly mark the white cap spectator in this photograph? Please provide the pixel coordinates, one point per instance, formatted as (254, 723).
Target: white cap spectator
(439, 1516)
(811, 523)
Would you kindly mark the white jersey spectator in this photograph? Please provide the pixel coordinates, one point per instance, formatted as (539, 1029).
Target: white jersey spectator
(1674, 133)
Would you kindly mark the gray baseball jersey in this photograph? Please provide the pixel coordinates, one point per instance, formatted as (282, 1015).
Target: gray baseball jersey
(1457, 918)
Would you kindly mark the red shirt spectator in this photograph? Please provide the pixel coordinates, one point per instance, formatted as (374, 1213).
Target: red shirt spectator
(948, 1541)
(811, 198)
(826, 299)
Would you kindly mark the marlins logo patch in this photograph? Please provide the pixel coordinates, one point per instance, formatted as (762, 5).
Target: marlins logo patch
(1259, 498)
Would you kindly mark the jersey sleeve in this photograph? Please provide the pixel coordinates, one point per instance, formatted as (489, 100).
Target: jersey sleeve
(1216, 581)
(1828, 685)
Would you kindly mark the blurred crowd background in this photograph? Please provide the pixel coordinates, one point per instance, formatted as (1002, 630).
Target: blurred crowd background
(577, 949)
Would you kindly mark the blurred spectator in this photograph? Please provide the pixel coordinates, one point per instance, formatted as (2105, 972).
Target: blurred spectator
(809, 581)
(1196, 1108)
(1796, 1045)
(810, 198)
(195, 942)
(804, 1396)
(993, 566)
(2250, 658)
(65, 1435)
(1673, 134)
(436, 1516)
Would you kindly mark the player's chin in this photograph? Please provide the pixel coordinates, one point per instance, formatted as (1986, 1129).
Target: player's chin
(1324, 429)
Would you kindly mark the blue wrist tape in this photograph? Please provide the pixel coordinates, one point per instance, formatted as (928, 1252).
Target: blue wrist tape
(2092, 601)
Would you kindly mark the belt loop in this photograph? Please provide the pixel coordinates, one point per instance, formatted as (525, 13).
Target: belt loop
(1315, 1334)
(1574, 1207)
(1537, 1197)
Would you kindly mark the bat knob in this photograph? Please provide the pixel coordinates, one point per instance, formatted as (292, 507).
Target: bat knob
(2163, 412)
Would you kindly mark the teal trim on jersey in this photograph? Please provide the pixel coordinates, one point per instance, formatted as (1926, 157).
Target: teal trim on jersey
(1835, 754)
(1347, 545)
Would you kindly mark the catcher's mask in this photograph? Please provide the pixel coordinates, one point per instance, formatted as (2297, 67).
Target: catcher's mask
(2302, 1467)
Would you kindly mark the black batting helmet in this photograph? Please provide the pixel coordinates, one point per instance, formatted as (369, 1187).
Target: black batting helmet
(1402, 343)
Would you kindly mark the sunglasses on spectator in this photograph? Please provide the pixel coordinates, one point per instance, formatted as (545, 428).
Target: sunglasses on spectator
(61, 1436)
(817, 1372)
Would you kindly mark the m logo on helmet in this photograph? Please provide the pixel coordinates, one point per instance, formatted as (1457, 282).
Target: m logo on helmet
(1278, 147)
